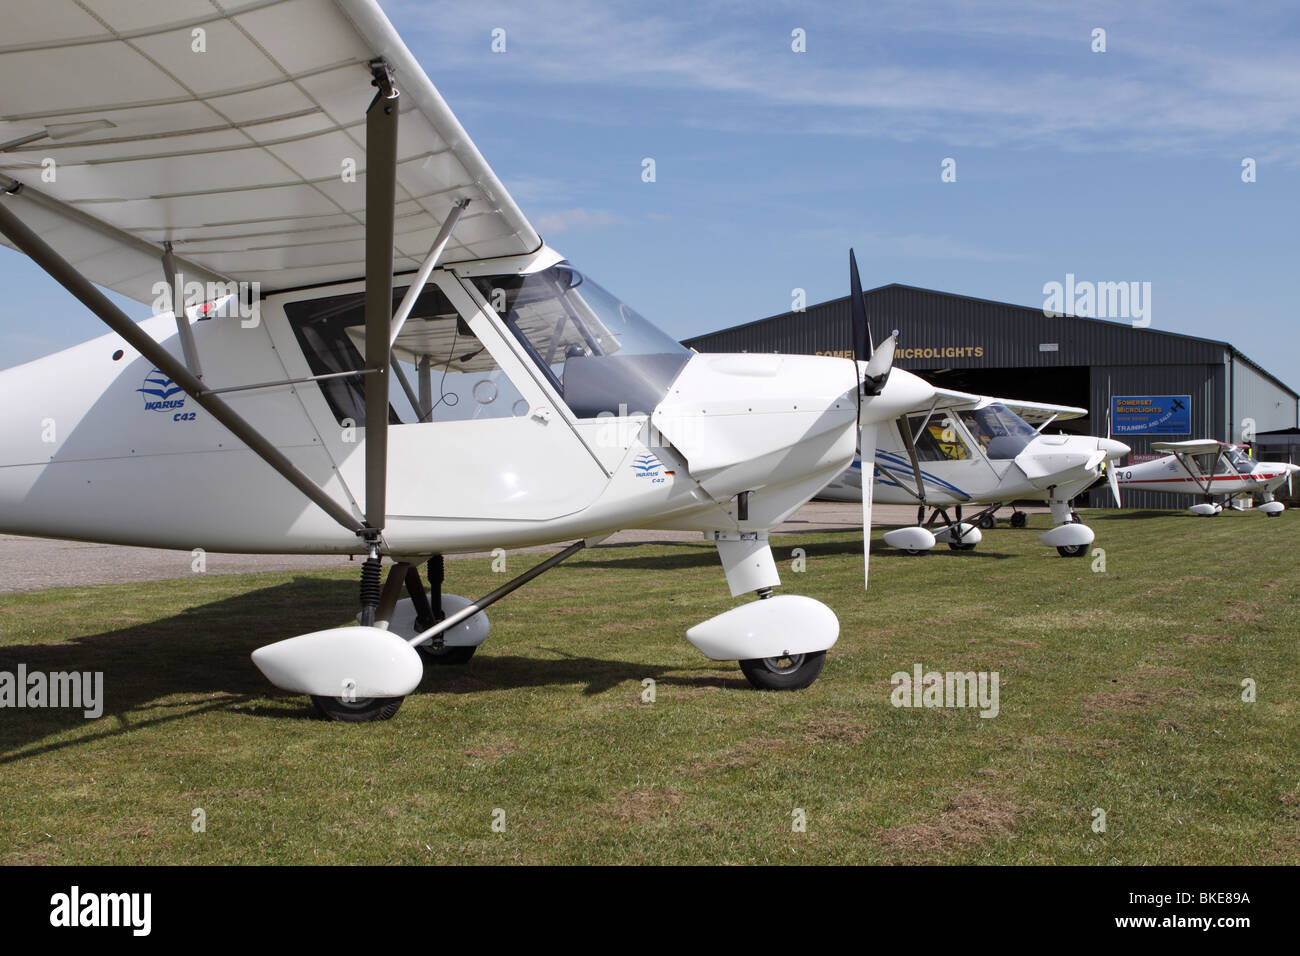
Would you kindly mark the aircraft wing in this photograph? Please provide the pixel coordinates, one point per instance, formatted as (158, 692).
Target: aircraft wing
(1203, 446)
(117, 134)
(1031, 412)
(1036, 413)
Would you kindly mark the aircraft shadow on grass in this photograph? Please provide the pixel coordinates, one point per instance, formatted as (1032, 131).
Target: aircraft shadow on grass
(204, 651)
(1126, 515)
(684, 557)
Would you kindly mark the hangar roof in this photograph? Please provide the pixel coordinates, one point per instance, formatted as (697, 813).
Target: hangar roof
(923, 313)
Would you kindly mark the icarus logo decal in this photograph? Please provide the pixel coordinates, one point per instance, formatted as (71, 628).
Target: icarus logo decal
(648, 466)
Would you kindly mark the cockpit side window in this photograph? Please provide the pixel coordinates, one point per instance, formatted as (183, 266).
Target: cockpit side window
(440, 371)
(939, 440)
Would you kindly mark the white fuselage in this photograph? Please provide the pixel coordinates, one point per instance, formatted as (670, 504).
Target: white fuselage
(93, 446)
(956, 468)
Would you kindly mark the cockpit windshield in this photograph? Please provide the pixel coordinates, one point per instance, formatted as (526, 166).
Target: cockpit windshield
(1239, 460)
(599, 353)
(1000, 432)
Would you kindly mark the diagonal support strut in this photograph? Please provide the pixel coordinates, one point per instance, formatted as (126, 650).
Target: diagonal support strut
(63, 272)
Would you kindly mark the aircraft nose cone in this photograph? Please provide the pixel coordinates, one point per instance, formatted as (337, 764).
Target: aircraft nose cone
(1114, 450)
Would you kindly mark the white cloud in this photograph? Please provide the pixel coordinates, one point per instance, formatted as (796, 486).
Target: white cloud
(570, 220)
(1175, 76)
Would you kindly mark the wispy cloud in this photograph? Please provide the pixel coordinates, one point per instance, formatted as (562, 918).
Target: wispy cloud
(939, 248)
(571, 220)
(1175, 76)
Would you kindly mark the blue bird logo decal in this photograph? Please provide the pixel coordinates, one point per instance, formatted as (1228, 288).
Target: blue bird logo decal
(647, 464)
(164, 388)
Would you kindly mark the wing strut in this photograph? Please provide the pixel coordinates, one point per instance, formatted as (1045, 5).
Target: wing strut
(381, 195)
(910, 441)
(426, 268)
(176, 282)
(35, 248)
(1208, 484)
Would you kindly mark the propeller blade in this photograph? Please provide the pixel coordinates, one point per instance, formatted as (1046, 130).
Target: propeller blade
(863, 347)
(1113, 480)
(867, 454)
(868, 480)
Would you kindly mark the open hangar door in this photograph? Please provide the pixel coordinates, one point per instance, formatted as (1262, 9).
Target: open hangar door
(1062, 385)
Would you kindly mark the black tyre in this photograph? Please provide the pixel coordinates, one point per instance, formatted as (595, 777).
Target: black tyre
(914, 551)
(988, 522)
(360, 711)
(1272, 514)
(963, 546)
(1019, 519)
(784, 673)
(446, 656)
(1072, 550)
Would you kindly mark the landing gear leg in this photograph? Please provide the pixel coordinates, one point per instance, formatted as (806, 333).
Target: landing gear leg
(988, 518)
(1064, 515)
(434, 651)
(376, 604)
(958, 538)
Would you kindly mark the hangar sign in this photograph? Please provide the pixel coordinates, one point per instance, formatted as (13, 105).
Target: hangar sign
(1151, 414)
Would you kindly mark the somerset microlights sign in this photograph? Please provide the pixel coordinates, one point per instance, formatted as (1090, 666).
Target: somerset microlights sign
(1151, 414)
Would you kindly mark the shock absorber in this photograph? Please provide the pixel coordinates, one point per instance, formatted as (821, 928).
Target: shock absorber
(437, 574)
(371, 588)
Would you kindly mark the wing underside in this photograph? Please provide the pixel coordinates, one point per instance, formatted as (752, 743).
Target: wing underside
(235, 131)
(1032, 412)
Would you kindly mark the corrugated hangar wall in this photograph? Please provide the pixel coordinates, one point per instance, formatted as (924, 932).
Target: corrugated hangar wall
(1018, 352)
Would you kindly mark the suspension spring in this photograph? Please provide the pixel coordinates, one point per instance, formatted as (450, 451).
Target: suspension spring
(371, 586)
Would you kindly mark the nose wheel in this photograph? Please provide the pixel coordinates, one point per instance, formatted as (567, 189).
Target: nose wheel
(446, 656)
(791, 672)
(362, 710)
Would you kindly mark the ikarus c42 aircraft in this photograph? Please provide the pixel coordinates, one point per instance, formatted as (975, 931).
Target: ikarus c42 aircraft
(377, 354)
(1211, 469)
(973, 451)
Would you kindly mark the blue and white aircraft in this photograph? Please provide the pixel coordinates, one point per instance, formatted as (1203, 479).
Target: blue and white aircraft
(964, 449)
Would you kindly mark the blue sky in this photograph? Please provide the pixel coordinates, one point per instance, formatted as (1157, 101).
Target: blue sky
(1115, 166)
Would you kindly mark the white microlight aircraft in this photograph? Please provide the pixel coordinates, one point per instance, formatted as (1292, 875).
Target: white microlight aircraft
(968, 450)
(376, 353)
(1210, 468)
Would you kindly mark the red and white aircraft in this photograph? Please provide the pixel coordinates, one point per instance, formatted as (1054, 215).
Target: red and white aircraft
(1210, 468)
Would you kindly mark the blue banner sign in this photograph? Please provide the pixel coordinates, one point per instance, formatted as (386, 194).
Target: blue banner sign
(1151, 414)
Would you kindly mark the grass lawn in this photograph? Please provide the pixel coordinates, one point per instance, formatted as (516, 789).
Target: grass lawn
(1119, 690)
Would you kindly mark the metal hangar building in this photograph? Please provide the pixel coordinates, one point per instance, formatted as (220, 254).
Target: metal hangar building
(1148, 384)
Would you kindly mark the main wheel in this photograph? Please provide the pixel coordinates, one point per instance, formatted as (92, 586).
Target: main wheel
(988, 522)
(792, 672)
(446, 656)
(359, 711)
(1072, 550)
(1019, 519)
(961, 546)
(1272, 514)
